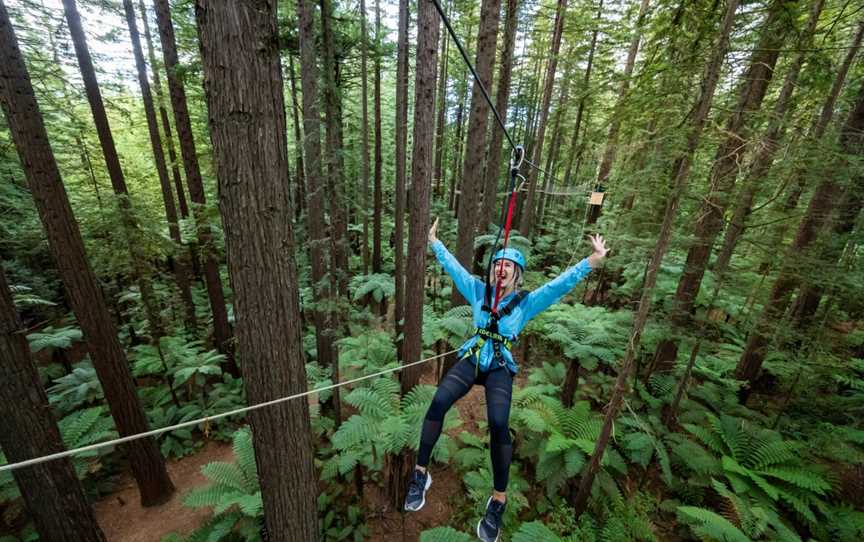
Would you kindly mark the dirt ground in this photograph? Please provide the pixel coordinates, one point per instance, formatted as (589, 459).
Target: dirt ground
(124, 520)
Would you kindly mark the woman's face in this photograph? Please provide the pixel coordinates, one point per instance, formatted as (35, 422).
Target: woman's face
(504, 271)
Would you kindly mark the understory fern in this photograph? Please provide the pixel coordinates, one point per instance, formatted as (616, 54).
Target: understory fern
(233, 494)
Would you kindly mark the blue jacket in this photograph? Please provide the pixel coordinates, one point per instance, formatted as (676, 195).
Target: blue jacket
(474, 289)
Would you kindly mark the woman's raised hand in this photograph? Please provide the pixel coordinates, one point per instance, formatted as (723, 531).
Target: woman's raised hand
(433, 232)
(600, 250)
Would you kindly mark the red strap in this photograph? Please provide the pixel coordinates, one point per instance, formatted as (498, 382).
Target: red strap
(507, 225)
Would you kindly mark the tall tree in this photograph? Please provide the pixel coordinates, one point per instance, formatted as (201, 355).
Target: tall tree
(51, 490)
(163, 115)
(767, 146)
(300, 199)
(680, 177)
(526, 220)
(364, 100)
(441, 120)
(610, 150)
(181, 270)
(724, 170)
(339, 271)
(502, 100)
(822, 203)
(378, 196)
(243, 84)
(317, 224)
(82, 288)
(401, 144)
(140, 267)
(421, 178)
(421, 181)
(798, 178)
(212, 278)
(475, 151)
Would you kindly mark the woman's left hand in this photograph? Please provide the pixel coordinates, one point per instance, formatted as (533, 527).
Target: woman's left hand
(600, 250)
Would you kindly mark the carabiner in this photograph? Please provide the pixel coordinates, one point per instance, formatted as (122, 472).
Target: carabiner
(517, 156)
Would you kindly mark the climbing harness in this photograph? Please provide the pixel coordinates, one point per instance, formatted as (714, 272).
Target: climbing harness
(490, 333)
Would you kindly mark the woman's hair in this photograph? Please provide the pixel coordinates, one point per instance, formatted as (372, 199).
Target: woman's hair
(518, 278)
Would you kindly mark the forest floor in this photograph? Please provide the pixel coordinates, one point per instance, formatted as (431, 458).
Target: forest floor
(123, 519)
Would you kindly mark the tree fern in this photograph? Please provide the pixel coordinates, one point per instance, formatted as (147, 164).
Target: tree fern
(709, 525)
(444, 534)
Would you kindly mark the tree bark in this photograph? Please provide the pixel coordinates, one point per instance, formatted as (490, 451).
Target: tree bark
(475, 152)
(318, 231)
(502, 100)
(244, 89)
(767, 147)
(181, 270)
(163, 114)
(378, 195)
(824, 200)
(441, 121)
(140, 268)
(724, 171)
(401, 147)
(680, 177)
(300, 199)
(67, 247)
(611, 149)
(798, 180)
(54, 497)
(213, 280)
(364, 99)
(526, 222)
(339, 271)
(421, 177)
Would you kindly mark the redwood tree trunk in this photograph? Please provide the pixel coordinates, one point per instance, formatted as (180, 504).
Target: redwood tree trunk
(767, 148)
(799, 178)
(82, 288)
(364, 100)
(421, 170)
(441, 121)
(339, 271)
(502, 98)
(54, 497)
(475, 152)
(163, 114)
(421, 177)
(140, 268)
(181, 270)
(821, 205)
(315, 205)
(724, 171)
(212, 279)
(401, 144)
(243, 84)
(379, 191)
(611, 148)
(526, 222)
(300, 199)
(680, 177)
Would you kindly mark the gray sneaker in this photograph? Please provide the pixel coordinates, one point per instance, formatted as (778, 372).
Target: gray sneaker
(417, 488)
(489, 528)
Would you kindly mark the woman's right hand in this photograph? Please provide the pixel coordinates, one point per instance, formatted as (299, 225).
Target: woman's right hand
(433, 232)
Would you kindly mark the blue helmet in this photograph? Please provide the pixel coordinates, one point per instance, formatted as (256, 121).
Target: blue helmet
(510, 254)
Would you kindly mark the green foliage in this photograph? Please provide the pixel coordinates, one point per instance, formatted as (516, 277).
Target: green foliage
(756, 463)
(339, 520)
(385, 424)
(79, 388)
(49, 337)
(453, 326)
(379, 285)
(444, 534)
(233, 493)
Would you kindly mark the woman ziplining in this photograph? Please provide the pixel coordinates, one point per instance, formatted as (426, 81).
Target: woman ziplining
(486, 359)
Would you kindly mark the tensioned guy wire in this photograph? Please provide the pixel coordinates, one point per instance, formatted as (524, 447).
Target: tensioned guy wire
(205, 419)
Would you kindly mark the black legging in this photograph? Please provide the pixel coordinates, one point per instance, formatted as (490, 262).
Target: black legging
(455, 384)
